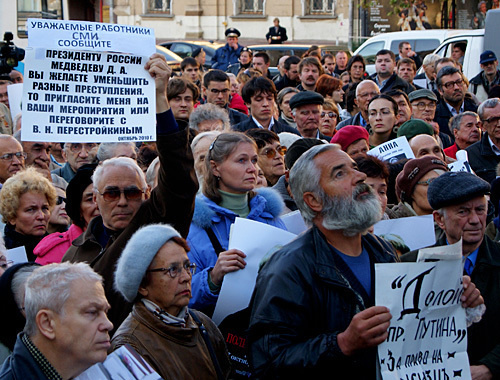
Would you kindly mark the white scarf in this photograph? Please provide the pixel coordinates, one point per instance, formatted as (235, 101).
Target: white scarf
(165, 317)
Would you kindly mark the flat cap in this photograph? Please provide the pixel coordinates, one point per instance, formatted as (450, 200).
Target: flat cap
(414, 127)
(453, 188)
(232, 32)
(348, 135)
(423, 93)
(305, 97)
(412, 172)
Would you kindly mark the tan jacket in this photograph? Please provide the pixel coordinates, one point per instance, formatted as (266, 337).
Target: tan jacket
(174, 352)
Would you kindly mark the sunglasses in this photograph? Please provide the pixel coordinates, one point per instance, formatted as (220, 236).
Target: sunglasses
(331, 115)
(60, 200)
(132, 194)
(271, 152)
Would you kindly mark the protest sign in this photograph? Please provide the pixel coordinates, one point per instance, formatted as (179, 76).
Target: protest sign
(294, 222)
(17, 255)
(15, 92)
(410, 233)
(461, 164)
(393, 150)
(428, 331)
(86, 82)
(237, 287)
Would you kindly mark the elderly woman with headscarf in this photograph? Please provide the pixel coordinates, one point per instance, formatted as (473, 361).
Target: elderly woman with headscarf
(154, 272)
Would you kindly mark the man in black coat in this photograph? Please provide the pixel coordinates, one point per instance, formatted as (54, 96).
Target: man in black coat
(461, 208)
(452, 89)
(385, 76)
(260, 94)
(276, 34)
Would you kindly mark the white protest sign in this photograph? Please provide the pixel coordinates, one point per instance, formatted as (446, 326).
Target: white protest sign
(294, 222)
(237, 287)
(15, 92)
(393, 150)
(415, 232)
(88, 96)
(428, 332)
(461, 164)
(17, 255)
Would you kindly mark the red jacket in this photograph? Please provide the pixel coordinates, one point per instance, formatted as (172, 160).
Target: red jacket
(52, 248)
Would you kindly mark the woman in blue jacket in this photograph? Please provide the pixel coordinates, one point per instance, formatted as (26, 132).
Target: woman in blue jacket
(231, 172)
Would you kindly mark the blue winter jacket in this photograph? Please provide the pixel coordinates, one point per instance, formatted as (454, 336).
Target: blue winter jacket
(225, 56)
(265, 207)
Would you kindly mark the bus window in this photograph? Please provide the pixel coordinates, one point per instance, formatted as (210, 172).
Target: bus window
(48, 9)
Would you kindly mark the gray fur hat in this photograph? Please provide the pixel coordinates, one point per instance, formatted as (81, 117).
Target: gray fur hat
(138, 255)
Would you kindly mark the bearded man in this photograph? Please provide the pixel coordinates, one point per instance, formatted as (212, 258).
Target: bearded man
(313, 305)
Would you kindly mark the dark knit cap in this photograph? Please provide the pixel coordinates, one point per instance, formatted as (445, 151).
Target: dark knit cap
(423, 93)
(74, 193)
(453, 188)
(414, 127)
(348, 135)
(412, 172)
(11, 318)
(196, 52)
(304, 98)
(298, 148)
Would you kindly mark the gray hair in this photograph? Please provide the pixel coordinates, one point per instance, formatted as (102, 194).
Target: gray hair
(151, 172)
(488, 103)
(18, 284)
(120, 162)
(49, 287)
(284, 92)
(430, 59)
(107, 150)
(17, 136)
(455, 121)
(202, 135)
(209, 111)
(305, 176)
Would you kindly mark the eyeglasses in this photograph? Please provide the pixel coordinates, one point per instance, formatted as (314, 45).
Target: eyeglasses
(131, 193)
(217, 92)
(176, 270)
(492, 120)
(6, 264)
(75, 148)
(450, 85)
(422, 106)
(10, 156)
(271, 152)
(426, 183)
(331, 115)
(60, 200)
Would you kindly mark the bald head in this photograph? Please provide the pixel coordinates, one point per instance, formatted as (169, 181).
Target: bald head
(425, 145)
(365, 92)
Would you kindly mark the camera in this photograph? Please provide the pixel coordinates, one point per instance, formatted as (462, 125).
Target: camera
(10, 54)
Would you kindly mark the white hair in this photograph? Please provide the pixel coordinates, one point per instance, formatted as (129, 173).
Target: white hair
(120, 162)
(202, 135)
(151, 172)
(49, 287)
(107, 150)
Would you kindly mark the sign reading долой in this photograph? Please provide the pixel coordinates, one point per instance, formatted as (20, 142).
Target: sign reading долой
(86, 82)
(428, 331)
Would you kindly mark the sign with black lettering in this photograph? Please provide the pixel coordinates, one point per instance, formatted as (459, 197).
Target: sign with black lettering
(393, 150)
(93, 88)
(428, 331)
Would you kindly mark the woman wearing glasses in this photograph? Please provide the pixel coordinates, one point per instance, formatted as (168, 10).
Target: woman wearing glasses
(26, 201)
(80, 208)
(179, 343)
(329, 118)
(227, 194)
(271, 154)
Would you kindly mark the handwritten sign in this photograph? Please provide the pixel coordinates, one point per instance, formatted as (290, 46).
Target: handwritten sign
(89, 94)
(428, 332)
(393, 150)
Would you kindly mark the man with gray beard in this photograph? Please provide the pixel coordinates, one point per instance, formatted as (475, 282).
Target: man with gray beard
(312, 311)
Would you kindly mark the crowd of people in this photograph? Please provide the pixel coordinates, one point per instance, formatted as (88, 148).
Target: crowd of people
(128, 244)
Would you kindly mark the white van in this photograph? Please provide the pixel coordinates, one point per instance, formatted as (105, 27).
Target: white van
(422, 42)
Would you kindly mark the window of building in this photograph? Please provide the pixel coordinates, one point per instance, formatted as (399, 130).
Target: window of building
(320, 7)
(159, 6)
(252, 7)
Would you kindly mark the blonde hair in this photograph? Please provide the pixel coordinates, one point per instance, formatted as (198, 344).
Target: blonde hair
(25, 181)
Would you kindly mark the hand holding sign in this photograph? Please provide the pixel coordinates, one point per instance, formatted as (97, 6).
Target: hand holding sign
(160, 71)
(367, 329)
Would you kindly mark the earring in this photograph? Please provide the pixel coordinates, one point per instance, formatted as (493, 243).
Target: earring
(217, 178)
